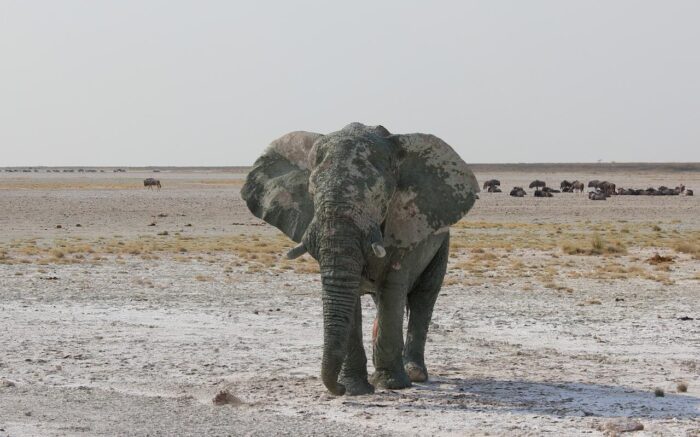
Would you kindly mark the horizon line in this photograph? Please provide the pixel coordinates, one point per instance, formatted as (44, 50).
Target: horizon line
(157, 166)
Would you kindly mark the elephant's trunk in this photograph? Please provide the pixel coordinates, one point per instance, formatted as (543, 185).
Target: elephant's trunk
(341, 264)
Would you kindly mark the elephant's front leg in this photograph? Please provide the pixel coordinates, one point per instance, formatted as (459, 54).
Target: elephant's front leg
(388, 346)
(353, 375)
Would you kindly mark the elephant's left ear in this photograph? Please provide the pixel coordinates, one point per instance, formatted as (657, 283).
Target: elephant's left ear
(277, 188)
(435, 189)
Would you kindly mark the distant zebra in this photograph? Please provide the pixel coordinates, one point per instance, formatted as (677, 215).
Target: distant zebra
(150, 183)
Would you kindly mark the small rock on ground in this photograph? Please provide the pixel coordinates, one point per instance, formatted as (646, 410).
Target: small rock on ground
(225, 397)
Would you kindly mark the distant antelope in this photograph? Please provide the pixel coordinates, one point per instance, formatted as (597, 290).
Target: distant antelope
(491, 183)
(537, 184)
(150, 183)
(517, 192)
(597, 195)
(577, 186)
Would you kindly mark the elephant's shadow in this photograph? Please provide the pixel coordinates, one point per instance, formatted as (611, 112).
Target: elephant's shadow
(552, 398)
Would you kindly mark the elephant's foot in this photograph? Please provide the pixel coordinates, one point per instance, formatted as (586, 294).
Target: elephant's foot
(416, 372)
(390, 379)
(356, 385)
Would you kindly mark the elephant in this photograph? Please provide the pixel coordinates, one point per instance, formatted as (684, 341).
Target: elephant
(374, 209)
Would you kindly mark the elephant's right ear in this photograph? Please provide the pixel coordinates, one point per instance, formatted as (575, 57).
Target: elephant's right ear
(277, 188)
(435, 190)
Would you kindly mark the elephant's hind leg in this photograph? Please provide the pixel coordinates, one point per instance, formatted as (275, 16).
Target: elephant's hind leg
(421, 301)
(353, 375)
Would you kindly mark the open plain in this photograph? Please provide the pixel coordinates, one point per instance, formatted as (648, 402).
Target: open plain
(125, 311)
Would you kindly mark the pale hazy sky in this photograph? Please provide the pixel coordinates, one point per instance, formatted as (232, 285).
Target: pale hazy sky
(136, 82)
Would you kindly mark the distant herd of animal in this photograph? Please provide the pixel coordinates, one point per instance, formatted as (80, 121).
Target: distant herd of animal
(601, 189)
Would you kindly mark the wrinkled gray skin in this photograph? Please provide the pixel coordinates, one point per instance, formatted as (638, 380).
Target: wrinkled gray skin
(374, 210)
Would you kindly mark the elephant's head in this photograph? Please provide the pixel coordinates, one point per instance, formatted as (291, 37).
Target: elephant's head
(351, 197)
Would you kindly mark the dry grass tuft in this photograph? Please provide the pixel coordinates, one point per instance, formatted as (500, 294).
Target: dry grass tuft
(660, 277)
(266, 250)
(481, 252)
(307, 265)
(691, 248)
(596, 246)
(558, 287)
(450, 280)
(659, 259)
(590, 302)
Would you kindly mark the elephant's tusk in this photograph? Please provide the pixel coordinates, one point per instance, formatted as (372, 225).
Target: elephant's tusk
(378, 250)
(296, 251)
